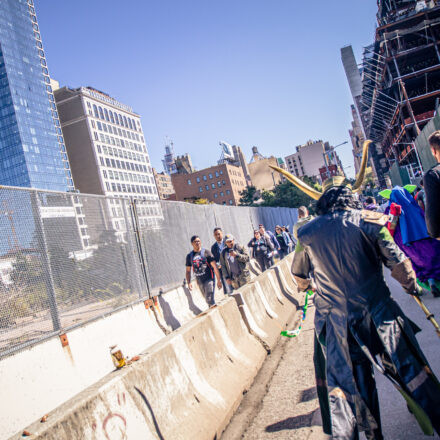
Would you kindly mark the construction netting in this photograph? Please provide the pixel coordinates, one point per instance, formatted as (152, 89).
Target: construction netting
(68, 258)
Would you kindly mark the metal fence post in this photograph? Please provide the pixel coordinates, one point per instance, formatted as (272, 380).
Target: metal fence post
(135, 222)
(47, 269)
(132, 250)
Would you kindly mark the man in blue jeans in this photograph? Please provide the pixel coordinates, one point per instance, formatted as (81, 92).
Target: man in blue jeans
(203, 265)
(216, 250)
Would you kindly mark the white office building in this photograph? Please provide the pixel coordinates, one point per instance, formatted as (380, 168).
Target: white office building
(107, 150)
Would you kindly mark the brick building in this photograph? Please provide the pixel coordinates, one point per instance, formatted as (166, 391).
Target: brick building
(219, 184)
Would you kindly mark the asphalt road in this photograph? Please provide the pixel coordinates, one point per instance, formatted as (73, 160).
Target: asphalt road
(289, 408)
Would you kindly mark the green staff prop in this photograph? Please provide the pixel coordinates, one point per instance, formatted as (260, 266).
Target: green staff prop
(297, 331)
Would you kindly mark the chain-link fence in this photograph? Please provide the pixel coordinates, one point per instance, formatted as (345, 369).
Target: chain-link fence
(68, 258)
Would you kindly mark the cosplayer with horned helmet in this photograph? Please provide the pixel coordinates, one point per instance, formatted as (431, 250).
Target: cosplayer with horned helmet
(357, 323)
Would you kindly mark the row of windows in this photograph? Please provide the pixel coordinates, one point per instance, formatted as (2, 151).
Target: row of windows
(123, 154)
(129, 177)
(219, 184)
(122, 165)
(125, 187)
(237, 182)
(113, 117)
(120, 143)
(217, 174)
(228, 191)
(117, 131)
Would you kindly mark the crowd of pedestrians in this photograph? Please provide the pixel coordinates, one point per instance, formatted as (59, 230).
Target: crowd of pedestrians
(227, 263)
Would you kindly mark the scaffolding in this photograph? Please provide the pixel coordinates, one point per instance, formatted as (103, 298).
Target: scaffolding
(401, 77)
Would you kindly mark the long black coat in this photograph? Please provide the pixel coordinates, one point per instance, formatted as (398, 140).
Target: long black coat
(356, 319)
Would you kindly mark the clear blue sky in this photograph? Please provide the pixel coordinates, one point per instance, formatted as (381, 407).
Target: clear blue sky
(249, 72)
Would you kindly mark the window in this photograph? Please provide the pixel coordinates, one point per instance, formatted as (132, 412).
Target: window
(215, 195)
(219, 184)
(98, 148)
(222, 194)
(95, 111)
(228, 191)
(104, 173)
(210, 175)
(198, 179)
(231, 202)
(221, 171)
(189, 181)
(207, 187)
(213, 185)
(200, 189)
(204, 178)
(106, 115)
(101, 113)
(224, 183)
(111, 117)
(216, 174)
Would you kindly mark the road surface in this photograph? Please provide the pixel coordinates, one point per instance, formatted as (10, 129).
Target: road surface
(282, 403)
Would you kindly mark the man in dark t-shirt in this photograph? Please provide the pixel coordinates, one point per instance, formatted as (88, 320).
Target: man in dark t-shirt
(203, 265)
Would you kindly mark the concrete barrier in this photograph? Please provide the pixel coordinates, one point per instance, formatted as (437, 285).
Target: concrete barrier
(265, 310)
(186, 385)
(40, 378)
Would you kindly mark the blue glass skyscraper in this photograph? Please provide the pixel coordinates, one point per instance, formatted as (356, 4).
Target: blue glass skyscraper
(32, 150)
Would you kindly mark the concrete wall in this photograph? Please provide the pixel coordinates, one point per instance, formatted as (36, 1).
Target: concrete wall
(186, 385)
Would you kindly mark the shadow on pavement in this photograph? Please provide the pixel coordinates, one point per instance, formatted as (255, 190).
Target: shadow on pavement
(170, 319)
(308, 395)
(192, 305)
(302, 421)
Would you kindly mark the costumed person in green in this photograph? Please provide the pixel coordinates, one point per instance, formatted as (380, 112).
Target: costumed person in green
(357, 323)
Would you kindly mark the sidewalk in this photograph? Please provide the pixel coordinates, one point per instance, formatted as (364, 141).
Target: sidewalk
(289, 407)
(286, 406)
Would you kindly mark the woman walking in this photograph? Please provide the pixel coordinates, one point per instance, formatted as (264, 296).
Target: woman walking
(262, 250)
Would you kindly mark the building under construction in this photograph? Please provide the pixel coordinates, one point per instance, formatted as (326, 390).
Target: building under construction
(400, 79)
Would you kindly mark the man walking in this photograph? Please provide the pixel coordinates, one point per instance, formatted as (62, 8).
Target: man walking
(216, 250)
(235, 263)
(357, 322)
(431, 185)
(203, 265)
(270, 236)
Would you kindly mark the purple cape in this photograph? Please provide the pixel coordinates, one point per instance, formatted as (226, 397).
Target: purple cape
(424, 255)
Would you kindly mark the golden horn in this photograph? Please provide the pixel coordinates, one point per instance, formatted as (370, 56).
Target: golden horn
(299, 183)
(361, 175)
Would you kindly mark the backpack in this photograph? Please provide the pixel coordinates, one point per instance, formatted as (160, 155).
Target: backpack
(199, 263)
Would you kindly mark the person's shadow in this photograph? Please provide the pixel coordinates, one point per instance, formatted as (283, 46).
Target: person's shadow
(191, 303)
(170, 319)
(297, 422)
